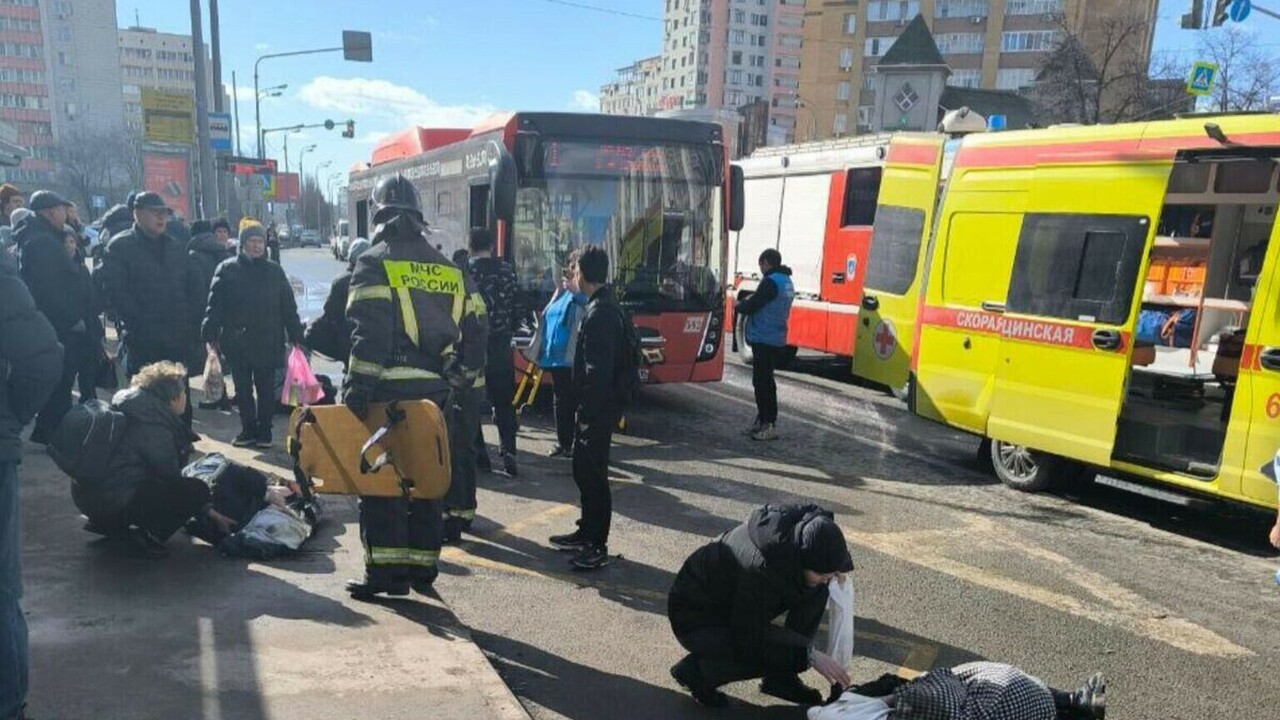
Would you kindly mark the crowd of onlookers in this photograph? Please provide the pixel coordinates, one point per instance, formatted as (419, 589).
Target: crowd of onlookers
(177, 296)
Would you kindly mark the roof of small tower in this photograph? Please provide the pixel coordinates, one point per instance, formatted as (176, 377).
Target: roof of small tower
(915, 46)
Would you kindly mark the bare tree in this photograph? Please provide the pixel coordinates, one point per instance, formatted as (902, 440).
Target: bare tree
(1097, 72)
(88, 164)
(131, 161)
(1247, 76)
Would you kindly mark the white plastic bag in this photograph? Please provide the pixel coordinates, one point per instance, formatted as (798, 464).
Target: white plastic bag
(840, 620)
(215, 386)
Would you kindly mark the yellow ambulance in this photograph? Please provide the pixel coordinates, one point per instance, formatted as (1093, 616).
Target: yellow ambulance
(1100, 299)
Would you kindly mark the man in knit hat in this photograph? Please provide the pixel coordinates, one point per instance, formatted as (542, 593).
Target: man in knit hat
(727, 594)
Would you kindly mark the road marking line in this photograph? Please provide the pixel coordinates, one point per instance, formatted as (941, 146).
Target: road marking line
(210, 701)
(1122, 607)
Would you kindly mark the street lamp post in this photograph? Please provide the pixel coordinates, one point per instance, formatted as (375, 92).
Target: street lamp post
(301, 174)
(356, 46)
(321, 166)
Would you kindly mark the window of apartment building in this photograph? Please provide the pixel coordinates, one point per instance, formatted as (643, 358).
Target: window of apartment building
(20, 50)
(734, 77)
(877, 46)
(960, 8)
(62, 33)
(18, 24)
(1028, 41)
(965, 78)
(786, 81)
(869, 81)
(840, 125)
(19, 75)
(64, 59)
(1014, 78)
(1032, 7)
(960, 43)
(67, 84)
(850, 23)
(740, 16)
(791, 41)
(761, 40)
(760, 20)
(62, 8)
(72, 110)
(739, 37)
(787, 62)
(846, 58)
(794, 21)
(843, 90)
(759, 81)
(735, 58)
(865, 113)
(24, 102)
(757, 61)
(733, 98)
(892, 9)
(21, 3)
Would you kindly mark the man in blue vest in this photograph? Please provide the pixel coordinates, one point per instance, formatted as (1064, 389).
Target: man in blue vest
(767, 311)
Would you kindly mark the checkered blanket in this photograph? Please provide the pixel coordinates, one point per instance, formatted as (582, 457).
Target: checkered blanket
(975, 691)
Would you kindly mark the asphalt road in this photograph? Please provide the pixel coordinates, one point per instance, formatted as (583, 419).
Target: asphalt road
(1177, 606)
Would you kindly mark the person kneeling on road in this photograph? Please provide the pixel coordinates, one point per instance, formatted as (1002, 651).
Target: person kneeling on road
(143, 495)
(728, 592)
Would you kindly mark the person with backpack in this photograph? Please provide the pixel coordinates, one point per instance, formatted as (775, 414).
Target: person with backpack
(559, 329)
(30, 365)
(767, 311)
(138, 491)
(498, 286)
(604, 376)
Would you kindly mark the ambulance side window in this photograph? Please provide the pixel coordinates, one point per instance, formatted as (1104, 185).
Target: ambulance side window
(861, 190)
(895, 249)
(1077, 267)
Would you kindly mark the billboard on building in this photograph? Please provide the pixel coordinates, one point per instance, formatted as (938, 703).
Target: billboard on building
(167, 116)
(169, 174)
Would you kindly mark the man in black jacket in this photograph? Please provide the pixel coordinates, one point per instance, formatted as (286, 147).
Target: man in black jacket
(595, 362)
(497, 282)
(30, 363)
(251, 313)
(54, 282)
(727, 594)
(210, 245)
(154, 290)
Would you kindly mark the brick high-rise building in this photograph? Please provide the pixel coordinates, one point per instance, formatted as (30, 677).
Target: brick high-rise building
(58, 76)
(635, 90)
(992, 44)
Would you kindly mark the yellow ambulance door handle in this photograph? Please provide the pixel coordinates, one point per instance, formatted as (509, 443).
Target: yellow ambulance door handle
(1108, 340)
(993, 306)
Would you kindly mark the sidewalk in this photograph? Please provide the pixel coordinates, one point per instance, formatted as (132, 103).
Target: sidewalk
(197, 635)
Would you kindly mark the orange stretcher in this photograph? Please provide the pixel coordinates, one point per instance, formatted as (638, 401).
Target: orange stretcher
(333, 450)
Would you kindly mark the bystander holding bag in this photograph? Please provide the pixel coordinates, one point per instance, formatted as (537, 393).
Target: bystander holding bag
(215, 385)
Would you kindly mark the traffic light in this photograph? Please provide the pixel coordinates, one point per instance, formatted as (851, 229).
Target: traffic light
(1194, 20)
(1221, 12)
(350, 132)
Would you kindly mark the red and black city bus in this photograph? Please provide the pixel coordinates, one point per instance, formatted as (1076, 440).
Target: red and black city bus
(653, 192)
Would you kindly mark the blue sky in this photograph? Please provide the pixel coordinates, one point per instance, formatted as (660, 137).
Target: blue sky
(442, 63)
(449, 62)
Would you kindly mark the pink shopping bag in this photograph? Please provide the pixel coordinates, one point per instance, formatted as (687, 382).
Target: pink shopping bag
(300, 384)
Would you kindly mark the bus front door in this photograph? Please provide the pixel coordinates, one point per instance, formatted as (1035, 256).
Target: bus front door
(1257, 393)
(904, 214)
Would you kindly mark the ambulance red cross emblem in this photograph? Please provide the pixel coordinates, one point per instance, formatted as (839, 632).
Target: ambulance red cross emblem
(884, 340)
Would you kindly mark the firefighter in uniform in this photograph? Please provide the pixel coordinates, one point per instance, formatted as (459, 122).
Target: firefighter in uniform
(417, 333)
(460, 502)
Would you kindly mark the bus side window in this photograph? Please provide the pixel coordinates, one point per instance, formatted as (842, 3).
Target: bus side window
(1077, 267)
(479, 206)
(444, 204)
(861, 191)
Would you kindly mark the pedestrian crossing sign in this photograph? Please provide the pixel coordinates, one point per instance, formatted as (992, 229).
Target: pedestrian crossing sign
(1203, 75)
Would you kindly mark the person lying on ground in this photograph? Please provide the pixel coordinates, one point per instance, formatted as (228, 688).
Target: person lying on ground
(728, 593)
(972, 691)
(144, 496)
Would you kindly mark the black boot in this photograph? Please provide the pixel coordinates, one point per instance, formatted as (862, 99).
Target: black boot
(370, 587)
(686, 673)
(790, 688)
(423, 581)
(1087, 703)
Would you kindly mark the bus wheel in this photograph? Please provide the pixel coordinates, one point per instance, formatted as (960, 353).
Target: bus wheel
(744, 350)
(1022, 468)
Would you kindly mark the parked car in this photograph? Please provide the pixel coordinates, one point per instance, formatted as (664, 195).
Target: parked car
(309, 238)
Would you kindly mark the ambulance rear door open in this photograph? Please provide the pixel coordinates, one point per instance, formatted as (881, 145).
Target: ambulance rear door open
(1067, 323)
(890, 300)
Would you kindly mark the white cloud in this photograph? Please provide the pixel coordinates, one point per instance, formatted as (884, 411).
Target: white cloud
(382, 99)
(373, 137)
(585, 101)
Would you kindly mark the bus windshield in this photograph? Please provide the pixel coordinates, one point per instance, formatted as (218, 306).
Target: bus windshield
(656, 209)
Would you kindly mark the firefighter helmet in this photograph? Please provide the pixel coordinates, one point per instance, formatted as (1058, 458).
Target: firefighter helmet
(393, 195)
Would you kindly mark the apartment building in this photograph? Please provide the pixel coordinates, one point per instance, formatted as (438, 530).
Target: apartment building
(991, 44)
(719, 54)
(153, 59)
(635, 89)
(56, 78)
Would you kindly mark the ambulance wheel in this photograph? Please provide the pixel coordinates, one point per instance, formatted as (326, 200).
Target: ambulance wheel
(788, 357)
(903, 392)
(744, 350)
(1022, 468)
